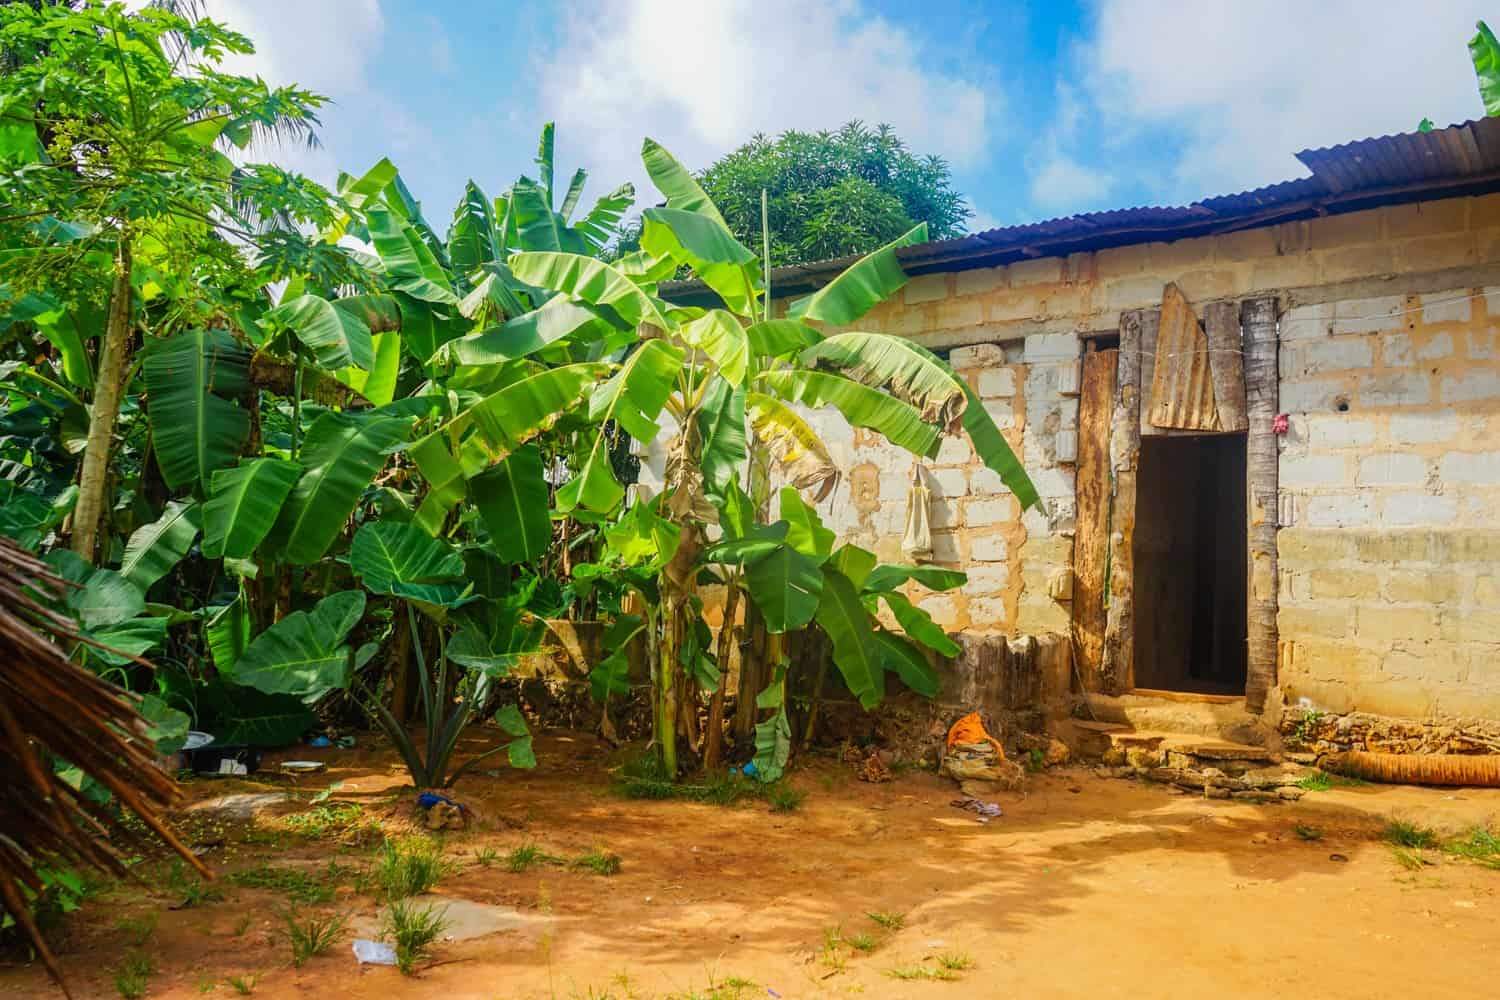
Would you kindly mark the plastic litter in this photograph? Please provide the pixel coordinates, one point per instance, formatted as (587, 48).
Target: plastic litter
(374, 952)
(986, 811)
(320, 742)
(429, 799)
(195, 739)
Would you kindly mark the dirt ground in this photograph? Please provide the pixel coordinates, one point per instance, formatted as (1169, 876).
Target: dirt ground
(1086, 887)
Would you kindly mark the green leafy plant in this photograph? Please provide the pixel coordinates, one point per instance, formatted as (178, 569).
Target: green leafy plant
(784, 798)
(298, 885)
(889, 919)
(598, 861)
(1480, 845)
(412, 929)
(312, 935)
(1305, 832)
(243, 984)
(1405, 833)
(528, 856)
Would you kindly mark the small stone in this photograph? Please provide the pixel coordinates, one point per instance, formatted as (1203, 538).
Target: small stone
(1214, 792)
(1057, 753)
(1113, 757)
(1290, 792)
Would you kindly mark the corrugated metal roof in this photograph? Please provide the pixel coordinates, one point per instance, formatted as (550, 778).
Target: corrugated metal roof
(1457, 160)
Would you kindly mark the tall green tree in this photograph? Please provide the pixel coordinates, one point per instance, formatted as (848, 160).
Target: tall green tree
(831, 194)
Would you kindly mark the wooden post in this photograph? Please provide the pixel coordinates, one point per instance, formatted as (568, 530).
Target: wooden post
(1221, 321)
(1096, 411)
(1117, 671)
(1262, 402)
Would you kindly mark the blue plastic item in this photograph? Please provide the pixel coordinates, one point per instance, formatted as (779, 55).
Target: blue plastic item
(429, 799)
(320, 741)
(749, 770)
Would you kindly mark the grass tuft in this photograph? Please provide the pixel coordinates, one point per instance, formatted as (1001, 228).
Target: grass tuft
(486, 856)
(312, 936)
(861, 942)
(784, 798)
(132, 975)
(409, 868)
(1404, 833)
(947, 967)
(1305, 832)
(1480, 846)
(296, 884)
(1409, 858)
(412, 929)
(889, 919)
(244, 985)
(529, 856)
(598, 861)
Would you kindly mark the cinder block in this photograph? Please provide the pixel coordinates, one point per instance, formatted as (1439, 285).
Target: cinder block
(1384, 623)
(1044, 347)
(987, 548)
(1323, 621)
(1404, 509)
(925, 288)
(1371, 315)
(1313, 470)
(1480, 344)
(990, 578)
(1436, 348)
(957, 313)
(1474, 384)
(979, 280)
(1408, 586)
(1395, 350)
(1449, 307)
(1423, 428)
(949, 483)
(983, 513)
(1310, 395)
(1388, 468)
(1426, 218)
(1322, 356)
(976, 356)
(1471, 625)
(1396, 389)
(1343, 584)
(984, 481)
(1121, 261)
(1356, 262)
(1044, 271)
(997, 382)
(987, 612)
(954, 450)
(1133, 293)
(1338, 430)
(1307, 322)
(1305, 547)
(945, 547)
(942, 607)
(1209, 283)
(1477, 468)
(1342, 510)
(1248, 244)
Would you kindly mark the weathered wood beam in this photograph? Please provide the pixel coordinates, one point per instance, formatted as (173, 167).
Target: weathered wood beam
(1118, 668)
(1096, 411)
(1262, 400)
(1221, 322)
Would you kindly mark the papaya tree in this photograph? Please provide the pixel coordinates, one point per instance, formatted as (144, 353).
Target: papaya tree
(723, 386)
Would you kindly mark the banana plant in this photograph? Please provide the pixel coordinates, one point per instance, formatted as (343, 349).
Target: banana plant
(722, 385)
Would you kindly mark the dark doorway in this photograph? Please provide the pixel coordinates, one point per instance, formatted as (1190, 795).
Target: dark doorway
(1190, 550)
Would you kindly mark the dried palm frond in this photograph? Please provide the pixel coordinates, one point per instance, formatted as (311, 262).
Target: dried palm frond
(51, 708)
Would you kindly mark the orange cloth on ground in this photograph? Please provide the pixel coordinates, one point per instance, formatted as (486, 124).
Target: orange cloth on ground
(970, 729)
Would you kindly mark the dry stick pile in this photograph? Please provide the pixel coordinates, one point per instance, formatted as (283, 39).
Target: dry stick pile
(53, 708)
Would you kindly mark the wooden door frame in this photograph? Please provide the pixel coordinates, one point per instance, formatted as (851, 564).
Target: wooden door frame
(1260, 342)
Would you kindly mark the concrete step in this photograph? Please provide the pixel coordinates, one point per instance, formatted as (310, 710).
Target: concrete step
(1213, 716)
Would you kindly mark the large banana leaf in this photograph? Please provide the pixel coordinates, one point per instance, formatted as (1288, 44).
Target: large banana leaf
(1484, 50)
(611, 675)
(402, 560)
(341, 456)
(378, 385)
(898, 367)
(864, 284)
(602, 222)
(786, 586)
(69, 329)
(633, 398)
(855, 563)
(538, 227)
(718, 259)
(243, 504)
(303, 654)
(721, 429)
(425, 327)
(856, 652)
(495, 643)
(525, 335)
(794, 445)
(915, 622)
(411, 266)
(574, 192)
(775, 338)
(546, 147)
(805, 530)
(899, 422)
(888, 576)
(719, 335)
(512, 501)
(513, 415)
(673, 180)
(338, 338)
(989, 444)
(472, 239)
(153, 549)
(227, 633)
(643, 538)
(908, 663)
(194, 429)
(446, 474)
(593, 281)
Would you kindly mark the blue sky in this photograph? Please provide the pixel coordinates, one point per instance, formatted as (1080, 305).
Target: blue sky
(1043, 109)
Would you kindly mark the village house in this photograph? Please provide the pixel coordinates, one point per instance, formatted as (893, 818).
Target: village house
(1266, 432)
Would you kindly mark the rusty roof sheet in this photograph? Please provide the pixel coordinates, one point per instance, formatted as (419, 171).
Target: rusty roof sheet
(1457, 160)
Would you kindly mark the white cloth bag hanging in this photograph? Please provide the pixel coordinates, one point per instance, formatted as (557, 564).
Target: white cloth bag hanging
(916, 544)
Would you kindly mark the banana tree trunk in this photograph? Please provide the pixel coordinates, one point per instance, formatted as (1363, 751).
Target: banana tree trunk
(713, 750)
(109, 387)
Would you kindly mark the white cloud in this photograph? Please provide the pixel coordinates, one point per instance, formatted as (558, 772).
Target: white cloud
(1061, 184)
(324, 46)
(701, 78)
(1247, 84)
